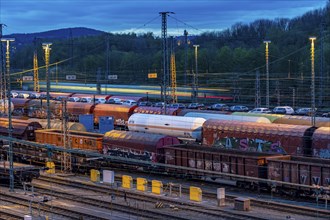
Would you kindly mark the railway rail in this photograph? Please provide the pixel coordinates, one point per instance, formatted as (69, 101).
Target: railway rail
(258, 202)
(198, 210)
(25, 202)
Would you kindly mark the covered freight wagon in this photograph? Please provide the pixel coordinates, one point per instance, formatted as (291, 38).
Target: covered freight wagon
(259, 137)
(321, 143)
(227, 117)
(22, 129)
(135, 145)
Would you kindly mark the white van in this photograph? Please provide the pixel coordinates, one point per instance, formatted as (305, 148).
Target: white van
(129, 102)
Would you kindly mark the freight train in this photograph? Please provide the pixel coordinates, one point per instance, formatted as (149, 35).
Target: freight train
(298, 140)
(244, 169)
(36, 108)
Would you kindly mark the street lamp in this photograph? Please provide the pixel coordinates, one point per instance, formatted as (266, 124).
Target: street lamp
(46, 47)
(195, 78)
(10, 127)
(266, 42)
(312, 39)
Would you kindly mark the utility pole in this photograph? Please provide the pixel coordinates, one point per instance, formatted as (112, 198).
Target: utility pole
(165, 57)
(66, 157)
(257, 97)
(107, 38)
(10, 126)
(289, 73)
(46, 47)
(312, 39)
(36, 68)
(173, 73)
(266, 42)
(278, 92)
(195, 76)
(185, 56)
(322, 64)
(2, 68)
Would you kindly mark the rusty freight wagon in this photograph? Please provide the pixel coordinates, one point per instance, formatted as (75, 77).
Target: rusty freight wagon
(74, 109)
(120, 113)
(251, 164)
(22, 129)
(258, 137)
(156, 110)
(299, 170)
(77, 139)
(136, 145)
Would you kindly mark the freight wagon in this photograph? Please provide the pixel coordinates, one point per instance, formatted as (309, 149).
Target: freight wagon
(23, 173)
(299, 170)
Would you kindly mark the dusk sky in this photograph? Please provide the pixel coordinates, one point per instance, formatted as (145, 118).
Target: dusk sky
(197, 16)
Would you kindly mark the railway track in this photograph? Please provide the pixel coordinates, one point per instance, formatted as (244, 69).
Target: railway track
(17, 199)
(178, 209)
(257, 202)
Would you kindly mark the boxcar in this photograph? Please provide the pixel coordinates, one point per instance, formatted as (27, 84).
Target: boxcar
(299, 170)
(77, 140)
(251, 136)
(250, 164)
(135, 145)
(121, 113)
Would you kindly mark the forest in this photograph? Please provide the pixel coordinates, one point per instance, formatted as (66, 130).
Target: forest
(227, 59)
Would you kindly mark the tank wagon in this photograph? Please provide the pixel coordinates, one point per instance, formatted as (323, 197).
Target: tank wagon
(177, 126)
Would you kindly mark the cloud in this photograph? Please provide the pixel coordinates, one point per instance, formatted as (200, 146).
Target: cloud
(28, 16)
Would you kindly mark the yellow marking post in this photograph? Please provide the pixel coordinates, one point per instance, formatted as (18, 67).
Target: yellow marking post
(95, 175)
(141, 184)
(127, 182)
(51, 167)
(195, 194)
(156, 187)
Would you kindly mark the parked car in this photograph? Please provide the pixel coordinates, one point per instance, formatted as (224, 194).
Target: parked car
(159, 104)
(73, 99)
(14, 94)
(196, 106)
(23, 95)
(99, 100)
(283, 110)
(129, 102)
(261, 110)
(114, 101)
(86, 99)
(219, 107)
(60, 98)
(239, 108)
(147, 103)
(177, 105)
(44, 96)
(326, 115)
(304, 111)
